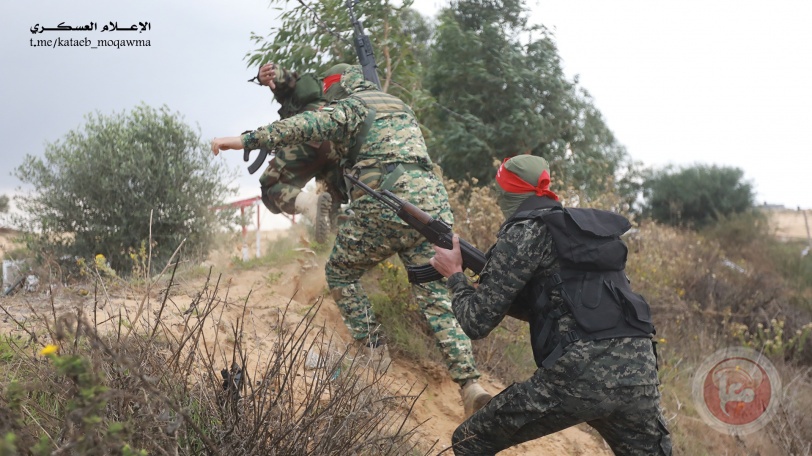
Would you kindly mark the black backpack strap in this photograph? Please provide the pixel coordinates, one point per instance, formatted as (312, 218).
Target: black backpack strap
(566, 339)
(551, 315)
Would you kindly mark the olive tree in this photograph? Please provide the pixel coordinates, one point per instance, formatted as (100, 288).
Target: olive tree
(95, 190)
(697, 195)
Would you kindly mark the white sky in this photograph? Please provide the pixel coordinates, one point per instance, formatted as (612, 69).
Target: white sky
(715, 82)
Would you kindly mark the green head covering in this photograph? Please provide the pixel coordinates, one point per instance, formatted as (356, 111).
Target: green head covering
(336, 91)
(519, 178)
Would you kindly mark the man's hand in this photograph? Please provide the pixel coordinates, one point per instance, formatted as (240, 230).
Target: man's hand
(267, 73)
(448, 262)
(226, 143)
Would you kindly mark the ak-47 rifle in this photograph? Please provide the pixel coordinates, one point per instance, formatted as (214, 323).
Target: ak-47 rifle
(363, 47)
(263, 154)
(436, 231)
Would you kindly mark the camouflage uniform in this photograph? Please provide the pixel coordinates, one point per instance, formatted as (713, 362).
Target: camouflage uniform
(293, 166)
(609, 384)
(375, 233)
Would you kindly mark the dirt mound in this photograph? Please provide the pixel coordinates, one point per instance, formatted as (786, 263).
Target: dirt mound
(439, 408)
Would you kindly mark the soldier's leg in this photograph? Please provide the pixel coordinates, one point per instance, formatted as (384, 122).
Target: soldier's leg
(332, 180)
(628, 418)
(637, 427)
(362, 242)
(435, 303)
(521, 412)
(283, 179)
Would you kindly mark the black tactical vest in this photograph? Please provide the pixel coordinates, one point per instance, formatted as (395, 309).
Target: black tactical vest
(591, 280)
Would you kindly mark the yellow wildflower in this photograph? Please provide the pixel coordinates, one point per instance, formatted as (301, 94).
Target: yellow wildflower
(49, 349)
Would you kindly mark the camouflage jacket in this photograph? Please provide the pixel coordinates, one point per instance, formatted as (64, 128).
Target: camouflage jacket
(523, 252)
(391, 138)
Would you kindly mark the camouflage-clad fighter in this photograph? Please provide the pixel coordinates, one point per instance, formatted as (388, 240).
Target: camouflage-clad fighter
(293, 166)
(596, 362)
(377, 135)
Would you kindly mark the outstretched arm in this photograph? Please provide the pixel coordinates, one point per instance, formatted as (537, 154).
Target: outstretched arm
(226, 143)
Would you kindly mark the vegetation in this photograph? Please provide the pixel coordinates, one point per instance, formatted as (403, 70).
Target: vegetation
(315, 36)
(501, 79)
(190, 382)
(485, 84)
(697, 196)
(3, 204)
(121, 180)
(730, 284)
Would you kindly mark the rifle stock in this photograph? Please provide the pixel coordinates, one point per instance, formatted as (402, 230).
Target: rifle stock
(436, 231)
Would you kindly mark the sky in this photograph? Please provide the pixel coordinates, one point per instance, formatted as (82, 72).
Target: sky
(680, 83)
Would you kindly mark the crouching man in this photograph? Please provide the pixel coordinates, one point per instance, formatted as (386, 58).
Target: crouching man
(562, 271)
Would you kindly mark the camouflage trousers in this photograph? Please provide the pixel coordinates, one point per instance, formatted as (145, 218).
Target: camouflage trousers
(627, 417)
(365, 240)
(292, 168)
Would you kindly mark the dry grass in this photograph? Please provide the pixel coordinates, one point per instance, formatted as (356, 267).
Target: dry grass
(190, 382)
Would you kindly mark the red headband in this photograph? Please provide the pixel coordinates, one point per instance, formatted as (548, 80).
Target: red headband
(330, 80)
(511, 182)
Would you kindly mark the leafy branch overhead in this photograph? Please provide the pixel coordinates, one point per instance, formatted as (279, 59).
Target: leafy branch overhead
(314, 36)
(484, 82)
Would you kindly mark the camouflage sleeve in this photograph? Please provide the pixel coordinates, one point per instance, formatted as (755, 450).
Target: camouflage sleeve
(337, 122)
(517, 255)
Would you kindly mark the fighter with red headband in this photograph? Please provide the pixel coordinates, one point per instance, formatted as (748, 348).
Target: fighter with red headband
(379, 140)
(560, 269)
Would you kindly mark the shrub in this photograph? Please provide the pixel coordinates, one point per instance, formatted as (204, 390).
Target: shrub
(120, 180)
(697, 196)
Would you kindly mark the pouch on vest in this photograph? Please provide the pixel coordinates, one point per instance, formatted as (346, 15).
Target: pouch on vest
(370, 172)
(588, 239)
(592, 258)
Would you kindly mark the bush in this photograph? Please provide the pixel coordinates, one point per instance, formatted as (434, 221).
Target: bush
(120, 180)
(477, 216)
(697, 196)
